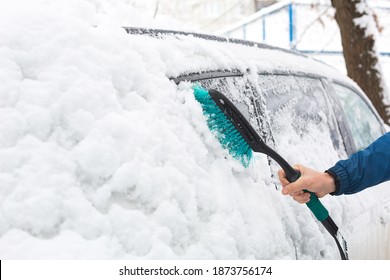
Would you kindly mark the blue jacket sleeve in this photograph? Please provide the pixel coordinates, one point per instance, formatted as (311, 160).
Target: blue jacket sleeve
(365, 168)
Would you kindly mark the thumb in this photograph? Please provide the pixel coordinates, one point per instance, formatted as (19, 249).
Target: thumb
(295, 187)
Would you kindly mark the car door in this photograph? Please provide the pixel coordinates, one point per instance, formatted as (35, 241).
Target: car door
(367, 212)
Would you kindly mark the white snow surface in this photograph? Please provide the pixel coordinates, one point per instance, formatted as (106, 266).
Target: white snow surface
(103, 157)
(366, 21)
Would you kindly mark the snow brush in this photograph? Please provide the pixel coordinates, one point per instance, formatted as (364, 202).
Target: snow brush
(236, 134)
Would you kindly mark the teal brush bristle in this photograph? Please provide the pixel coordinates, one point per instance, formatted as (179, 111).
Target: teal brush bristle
(229, 137)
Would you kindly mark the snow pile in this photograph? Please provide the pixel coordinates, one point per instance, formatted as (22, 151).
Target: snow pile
(101, 156)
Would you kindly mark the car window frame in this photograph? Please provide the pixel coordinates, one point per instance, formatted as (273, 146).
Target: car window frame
(344, 131)
(205, 75)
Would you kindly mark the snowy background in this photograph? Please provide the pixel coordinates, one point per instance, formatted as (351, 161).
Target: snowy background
(315, 29)
(74, 183)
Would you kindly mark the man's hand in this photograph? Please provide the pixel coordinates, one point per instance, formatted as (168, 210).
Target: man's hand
(318, 182)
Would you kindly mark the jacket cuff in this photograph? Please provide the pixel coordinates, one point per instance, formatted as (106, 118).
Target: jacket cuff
(341, 178)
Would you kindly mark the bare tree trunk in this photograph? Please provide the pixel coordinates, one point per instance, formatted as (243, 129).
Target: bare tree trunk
(360, 53)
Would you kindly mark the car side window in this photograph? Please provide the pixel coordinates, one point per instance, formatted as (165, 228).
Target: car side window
(299, 111)
(363, 124)
(240, 91)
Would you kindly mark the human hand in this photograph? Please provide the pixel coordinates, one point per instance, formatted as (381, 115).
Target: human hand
(314, 181)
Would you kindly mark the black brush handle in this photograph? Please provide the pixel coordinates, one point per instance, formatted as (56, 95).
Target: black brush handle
(315, 205)
(257, 145)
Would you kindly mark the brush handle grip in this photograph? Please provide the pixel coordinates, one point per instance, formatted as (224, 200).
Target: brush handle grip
(316, 207)
(314, 204)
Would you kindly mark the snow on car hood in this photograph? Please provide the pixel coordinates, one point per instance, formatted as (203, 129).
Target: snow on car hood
(102, 156)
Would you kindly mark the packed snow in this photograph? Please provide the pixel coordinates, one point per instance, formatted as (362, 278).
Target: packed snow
(103, 157)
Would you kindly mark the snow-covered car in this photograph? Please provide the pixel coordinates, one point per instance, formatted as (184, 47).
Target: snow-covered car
(105, 153)
(301, 107)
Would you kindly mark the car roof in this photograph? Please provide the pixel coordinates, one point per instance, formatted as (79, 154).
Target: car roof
(226, 56)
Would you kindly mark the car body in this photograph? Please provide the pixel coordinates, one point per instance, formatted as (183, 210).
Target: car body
(303, 108)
